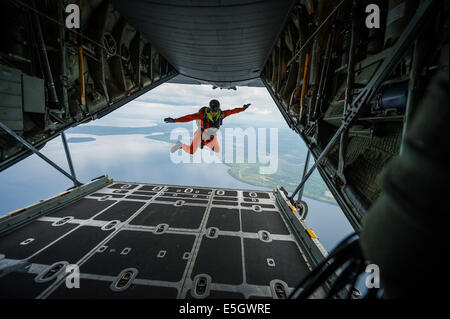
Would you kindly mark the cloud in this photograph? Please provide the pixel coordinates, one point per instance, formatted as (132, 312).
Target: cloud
(176, 100)
(192, 97)
(118, 120)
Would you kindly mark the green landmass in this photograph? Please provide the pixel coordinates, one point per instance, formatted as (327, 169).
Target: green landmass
(315, 188)
(80, 139)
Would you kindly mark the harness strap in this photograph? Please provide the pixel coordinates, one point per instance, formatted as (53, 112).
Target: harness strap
(207, 116)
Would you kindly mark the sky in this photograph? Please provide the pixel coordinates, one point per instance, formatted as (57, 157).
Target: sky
(176, 100)
(136, 158)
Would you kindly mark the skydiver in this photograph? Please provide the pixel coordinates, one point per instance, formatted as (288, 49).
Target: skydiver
(209, 119)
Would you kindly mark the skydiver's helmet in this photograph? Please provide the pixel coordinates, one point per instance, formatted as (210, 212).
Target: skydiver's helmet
(214, 106)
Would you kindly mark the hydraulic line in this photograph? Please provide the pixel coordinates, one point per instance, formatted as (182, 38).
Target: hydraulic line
(348, 94)
(62, 48)
(304, 85)
(401, 46)
(72, 30)
(81, 67)
(47, 69)
(314, 34)
(325, 69)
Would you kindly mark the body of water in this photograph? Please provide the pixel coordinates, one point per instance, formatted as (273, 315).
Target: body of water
(131, 158)
(135, 158)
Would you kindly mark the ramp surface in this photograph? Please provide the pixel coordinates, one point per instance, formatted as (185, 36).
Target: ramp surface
(156, 241)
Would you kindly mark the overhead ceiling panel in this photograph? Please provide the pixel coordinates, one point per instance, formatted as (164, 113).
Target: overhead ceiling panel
(221, 42)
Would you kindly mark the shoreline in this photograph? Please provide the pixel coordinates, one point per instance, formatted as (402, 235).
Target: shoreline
(253, 184)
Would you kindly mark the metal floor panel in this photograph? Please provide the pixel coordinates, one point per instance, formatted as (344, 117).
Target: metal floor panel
(256, 195)
(174, 239)
(254, 222)
(252, 205)
(225, 203)
(219, 198)
(121, 211)
(221, 259)
(31, 238)
(99, 289)
(184, 216)
(153, 255)
(275, 260)
(186, 200)
(20, 285)
(224, 219)
(183, 195)
(72, 247)
(139, 197)
(150, 188)
(123, 186)
(186, 190)
(83, 209)
(225, 193)
(145, 193)
(104, 195)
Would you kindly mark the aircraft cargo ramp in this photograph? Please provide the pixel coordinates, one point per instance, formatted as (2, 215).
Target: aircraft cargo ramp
(364, 85)
(133, 240)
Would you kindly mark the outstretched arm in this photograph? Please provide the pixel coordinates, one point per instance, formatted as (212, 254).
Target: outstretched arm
(186, 118)
(189, 117)
(235, 110)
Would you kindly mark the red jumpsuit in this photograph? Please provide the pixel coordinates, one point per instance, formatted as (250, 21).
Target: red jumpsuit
(196, 141)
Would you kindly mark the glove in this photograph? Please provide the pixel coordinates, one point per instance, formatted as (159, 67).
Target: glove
(169, 120)
(246, 106)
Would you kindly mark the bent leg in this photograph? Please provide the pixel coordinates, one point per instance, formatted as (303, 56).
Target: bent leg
(214, 144)
(194, 145)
